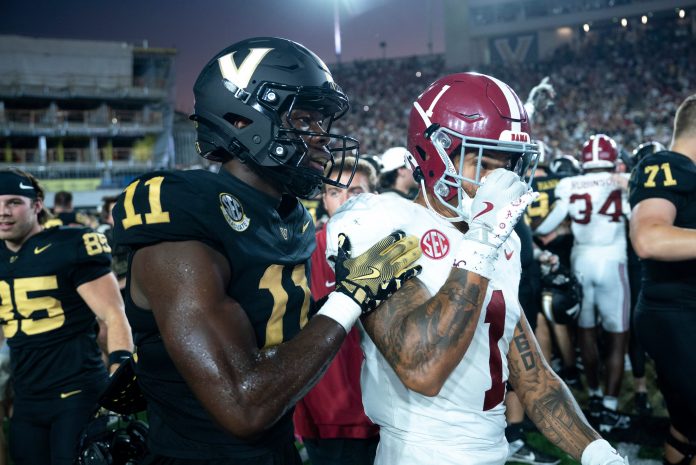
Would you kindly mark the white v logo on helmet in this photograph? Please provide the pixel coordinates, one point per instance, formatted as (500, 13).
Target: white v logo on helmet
(241, 76)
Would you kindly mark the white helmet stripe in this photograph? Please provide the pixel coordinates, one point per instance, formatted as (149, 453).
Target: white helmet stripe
(512, 104)
(421, 112)
(595, 148)
(434, 102)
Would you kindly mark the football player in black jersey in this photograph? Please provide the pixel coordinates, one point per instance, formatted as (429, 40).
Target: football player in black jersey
(217, 289)
(64, 214)
(663, 234)
(52, 284)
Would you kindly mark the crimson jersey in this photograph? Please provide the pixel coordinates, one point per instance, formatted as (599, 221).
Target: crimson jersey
(267, 248)
(670, 176)
(50, 330)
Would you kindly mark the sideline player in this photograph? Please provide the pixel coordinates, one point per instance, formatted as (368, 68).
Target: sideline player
(663, 233)
(53, 281)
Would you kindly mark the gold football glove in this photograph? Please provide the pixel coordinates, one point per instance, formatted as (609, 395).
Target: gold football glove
(379, 272)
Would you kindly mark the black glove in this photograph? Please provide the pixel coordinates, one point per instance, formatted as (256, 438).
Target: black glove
(379, 272)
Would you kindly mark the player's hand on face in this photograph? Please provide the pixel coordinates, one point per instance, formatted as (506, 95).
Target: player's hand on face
(379, 272)
(497, 206)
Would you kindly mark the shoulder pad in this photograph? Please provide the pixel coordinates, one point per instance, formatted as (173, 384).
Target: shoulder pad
(87, 245)
(158, 207)
(365, 219)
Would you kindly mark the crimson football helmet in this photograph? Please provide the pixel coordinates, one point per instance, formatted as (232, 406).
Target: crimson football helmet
(460, 114)
(599, 151)
(259, 82)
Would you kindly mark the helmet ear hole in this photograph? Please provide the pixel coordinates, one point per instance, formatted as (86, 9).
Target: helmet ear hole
(237, 121)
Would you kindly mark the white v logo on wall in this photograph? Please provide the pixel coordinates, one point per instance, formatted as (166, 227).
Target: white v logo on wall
(514, 49)
(241, 76)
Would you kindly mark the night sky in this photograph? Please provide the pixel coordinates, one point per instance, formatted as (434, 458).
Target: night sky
(200, 28)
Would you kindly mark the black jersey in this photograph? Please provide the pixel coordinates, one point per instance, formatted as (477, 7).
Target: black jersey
(540, 208)
(268, 254)
(67, 219)
(670, 176)
(50, 330)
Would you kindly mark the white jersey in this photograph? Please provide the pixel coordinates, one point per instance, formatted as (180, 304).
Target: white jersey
(597, 205)
(465, 422)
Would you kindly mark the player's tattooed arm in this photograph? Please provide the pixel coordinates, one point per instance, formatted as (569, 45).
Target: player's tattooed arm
(546, 398)
(424, 338)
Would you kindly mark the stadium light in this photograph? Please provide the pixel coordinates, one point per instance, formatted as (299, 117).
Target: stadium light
(624, 22)
(586, 27)
(337, 31)
(644, 19)
(682, 13)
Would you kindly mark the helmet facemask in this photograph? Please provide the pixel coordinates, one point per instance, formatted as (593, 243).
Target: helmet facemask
(286, 161)
(450, 145)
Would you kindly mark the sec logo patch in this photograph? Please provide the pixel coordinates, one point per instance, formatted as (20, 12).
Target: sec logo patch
(233, 212)
(434, 244)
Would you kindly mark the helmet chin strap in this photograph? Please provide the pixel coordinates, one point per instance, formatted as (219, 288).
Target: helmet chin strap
(455, 219)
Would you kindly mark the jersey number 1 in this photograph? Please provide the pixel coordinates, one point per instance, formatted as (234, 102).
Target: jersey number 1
(495, 317)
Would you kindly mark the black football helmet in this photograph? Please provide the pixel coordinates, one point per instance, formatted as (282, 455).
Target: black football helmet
(259, 82)
(111, 439)
(565, 165)
(645, 149)
(561, 296)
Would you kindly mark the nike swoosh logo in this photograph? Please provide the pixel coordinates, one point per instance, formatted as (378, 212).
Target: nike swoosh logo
(306, 225)
(65, 395)
(24, 186)
(508, 255)
(373, 274)
(329, 283)
(488, 207)
(38, 250)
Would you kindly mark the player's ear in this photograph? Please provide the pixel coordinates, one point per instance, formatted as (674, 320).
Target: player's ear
(38, 206)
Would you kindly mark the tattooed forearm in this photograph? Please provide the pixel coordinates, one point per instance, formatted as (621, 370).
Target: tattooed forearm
(425, 337)
(547, 400)
(525, 349)
(560, 419)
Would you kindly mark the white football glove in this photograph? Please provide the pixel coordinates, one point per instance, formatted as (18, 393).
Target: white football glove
(495, 209)
(600, 452)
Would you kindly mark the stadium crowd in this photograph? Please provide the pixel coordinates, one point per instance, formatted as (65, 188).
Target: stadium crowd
(624, 83)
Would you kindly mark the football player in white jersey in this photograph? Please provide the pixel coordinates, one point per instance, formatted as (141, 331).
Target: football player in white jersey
(597, 203)
(440, 351)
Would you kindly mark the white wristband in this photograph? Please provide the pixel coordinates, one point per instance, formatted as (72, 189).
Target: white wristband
(342, 309)
(600, 452)
(476, 257)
